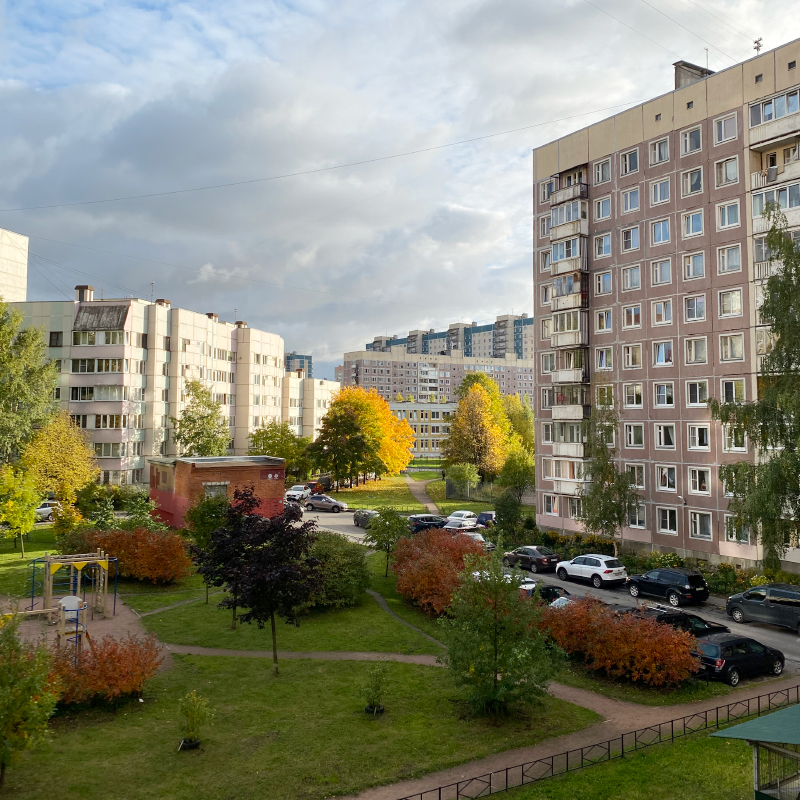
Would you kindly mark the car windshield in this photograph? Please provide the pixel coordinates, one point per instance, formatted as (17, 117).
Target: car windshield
(546, 551)
(710, 650)
(614, 563)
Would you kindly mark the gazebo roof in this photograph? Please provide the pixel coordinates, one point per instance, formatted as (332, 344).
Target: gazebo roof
(780, 727)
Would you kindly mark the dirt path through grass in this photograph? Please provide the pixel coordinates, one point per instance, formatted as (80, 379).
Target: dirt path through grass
(417, 488)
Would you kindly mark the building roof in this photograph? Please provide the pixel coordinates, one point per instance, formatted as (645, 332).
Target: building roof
(780, 727)
(221, 461)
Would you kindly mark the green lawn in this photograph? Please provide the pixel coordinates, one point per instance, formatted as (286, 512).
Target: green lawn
(362, 628)
(301, 735)
(390, 491)
(424, 475)
(14, 570)
(697, 768)
(436, 491)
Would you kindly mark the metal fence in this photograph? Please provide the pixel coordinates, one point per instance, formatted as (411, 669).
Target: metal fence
(549, 767)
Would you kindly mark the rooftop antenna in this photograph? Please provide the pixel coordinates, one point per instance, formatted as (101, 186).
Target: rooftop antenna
(235, 314)
(757, 45)
(706, 49)
(152, 290)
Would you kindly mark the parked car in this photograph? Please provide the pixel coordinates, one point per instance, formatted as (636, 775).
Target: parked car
(487, 518)
(730, 657)
(321, 502)
(548, 593)
(680, 620)
(478, 537)
(534, 558)
(675, 584)
(44, 513)
(422, 522)
(362, 516)
(600, 570)
(775, 603)
(470, 516)
(460, 525)
(298, 492)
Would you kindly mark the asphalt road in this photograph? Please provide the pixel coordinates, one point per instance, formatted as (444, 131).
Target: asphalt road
(338, 523)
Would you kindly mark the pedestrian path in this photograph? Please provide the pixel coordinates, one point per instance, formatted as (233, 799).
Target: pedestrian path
(417, 488)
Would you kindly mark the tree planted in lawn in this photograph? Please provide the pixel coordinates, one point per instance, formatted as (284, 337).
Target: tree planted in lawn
(19, 498)
(277, 439)
(385, 531)
(201, 429)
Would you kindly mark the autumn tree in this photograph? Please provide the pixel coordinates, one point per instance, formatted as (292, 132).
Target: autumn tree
(19, 498)
(496, 406)
(277, 439)
(60, 459)
(518, 475)
(27, 382)
(475, 435)
(385, 531)
(201, 429)
(520, 416)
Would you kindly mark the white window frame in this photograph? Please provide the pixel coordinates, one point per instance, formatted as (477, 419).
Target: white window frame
(654, 151)
(630, 437)
(630, 230)
(597, 278)
(686, 216)
(717, 184)
(694, 479)
(606, 312)
(664, 301)
(689, 363)
(656, 384)
(629, 270)
(653, 265)
(722, 256)
(732, 291)
(550, 357)
(687, 320)
(723, 118)
(731, 336)
(547, 433)
(697, 426)
(598, 206)
(684, 138)
(634, 325)
(624, 205)
(605, 402)
(625, 402)
(727, 447)
(722, 211)
(702, 403)
(653, 185)
(624, 162)
(638, 469)
(687, 259)
(663, 469)
(669, 510)
(627, 351)
(544, 226)
(686, 190)
(641, 516)
(658, 431)
(597, 171)
(745, 539)
(550, 500)
(660, 223)
(671, 361)
(600, 251)
(609, 358)
(694, 525)
(740, 381)
(545, 293)
(544, 195)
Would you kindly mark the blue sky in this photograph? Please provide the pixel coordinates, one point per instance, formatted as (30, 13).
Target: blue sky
(109, 99)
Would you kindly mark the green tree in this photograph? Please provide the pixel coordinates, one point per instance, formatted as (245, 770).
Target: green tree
(342, 445)
(203, 517)
(19, 498)
(140, 510)
(465, 476)
(201, 429)
(509, 515)
(343, 572)
(277, 439)
(766, 493)
(27, 382)
(385, 531)
(494, 646)
(27, 696)
(520, 415)
(496, 405)
(518, 475)
(608, 496)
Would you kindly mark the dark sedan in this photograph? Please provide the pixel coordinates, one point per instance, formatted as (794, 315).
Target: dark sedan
(680, 620)
(534, 558)
(730, 657)
(675, 584)
(421, 522)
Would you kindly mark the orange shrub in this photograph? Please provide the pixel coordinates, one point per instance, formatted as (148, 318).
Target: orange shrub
(160, 557)
(427, 567)
(623, 646)
(107, 670)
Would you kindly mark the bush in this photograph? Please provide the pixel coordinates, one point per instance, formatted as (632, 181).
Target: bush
(428, 566)
(343, 570)
(576, 544)
(106, 671)
(622, 646)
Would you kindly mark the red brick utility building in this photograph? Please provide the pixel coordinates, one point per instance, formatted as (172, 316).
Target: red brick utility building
(177, 483)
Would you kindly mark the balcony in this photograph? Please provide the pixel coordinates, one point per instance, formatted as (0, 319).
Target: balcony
(578, 191)
(577, 264)
(569, 488)
(568, 449)
(578, 227)
(769, 134)
(579, 375)
(570, 339)
(765, 269)
(571, 413)
(568, 301)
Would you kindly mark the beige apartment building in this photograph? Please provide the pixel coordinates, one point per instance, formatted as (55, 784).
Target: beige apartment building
(430, 423)
(305, 401)
(13, 266)
(649, 267)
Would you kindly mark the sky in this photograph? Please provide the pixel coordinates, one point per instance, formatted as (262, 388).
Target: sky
(107, 100)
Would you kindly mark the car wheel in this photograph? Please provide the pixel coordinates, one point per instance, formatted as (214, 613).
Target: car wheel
(777, 667)
(674, 599)
(506, 562)
(309, 507)
(562, 574)
(733, 677)
(738, 615)
(49, 517)
(634, 590)
(336, 509)
(597, 582)
(533, 568)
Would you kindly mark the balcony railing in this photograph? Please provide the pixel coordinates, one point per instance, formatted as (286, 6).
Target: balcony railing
(568, 301)
(765, 269)
(571, 413)
(575, 375)
(569, 488)
(578, 191)
(577, 227)
(570, 339)
(577, 264)
(568, 449)
(785, 127)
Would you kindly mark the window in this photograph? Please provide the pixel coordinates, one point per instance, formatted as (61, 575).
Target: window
(759, 77)
(727, 171)
(545, 294)
(659, 151)
(110, 421)
(81, 393)
(692, 224)
(733, 390)
(79, 420)
(664, 395)
(665, 437)
(695, 308)
(775, 108)
(730, 303)
(550, 504)
(735, 439)
(602, 172)
(699, 482)
(603, 321)
(696, 393)
(544, 264)
(662, 312)
(731, 347)
(629, 162)
(665, 478)
(659, 192)
(725, 129)
(569, 248)
(786, 197)
(632, 316)
(574, 510)
(690, 104)
(546, 188)
(633, 395)
(547, 433)
(602, 208)
(544, 226)
(659, 232)
(691, 141)
(692, 182)
(56, 338)
(700, 525)
(699, 437)
(729, 259)
(605, 396)
(634, 434)
(604, 358)
(636, 516)
(548, 395)
(630, 239)
(662, 353)
(696, 351)
(632, 356)
(739, 534)
(728, 215)
(630, 200)
(631, 278)
(83, 338)
(602, 245)
(792, 65)
(636, 471)
(548, 362)
(83, 365)
(662, 272)
(547, 325)
(667, 520)
(694, 266)
(602, 283)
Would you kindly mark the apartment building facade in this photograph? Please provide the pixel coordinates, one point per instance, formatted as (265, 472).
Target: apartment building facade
(305, 401)
(430, 423)
(13, 266)
(295, 361)
(649, 266)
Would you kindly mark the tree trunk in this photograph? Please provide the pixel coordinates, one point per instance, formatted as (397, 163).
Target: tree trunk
(206, 594)
(274, 646)
(233, 620)
(2, 773)
(22, 545)
(387, 563)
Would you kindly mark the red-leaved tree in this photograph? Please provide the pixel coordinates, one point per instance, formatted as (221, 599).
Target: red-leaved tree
(427, 567)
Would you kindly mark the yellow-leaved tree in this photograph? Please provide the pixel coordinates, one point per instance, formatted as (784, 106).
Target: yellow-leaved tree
(60, 459)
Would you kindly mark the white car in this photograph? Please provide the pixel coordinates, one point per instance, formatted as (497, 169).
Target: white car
(599, 570)
(478, 537)
(467, 516)
(46, 509)
(297, 493)
(461, 525)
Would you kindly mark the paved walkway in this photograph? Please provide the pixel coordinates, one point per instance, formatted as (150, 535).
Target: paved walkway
(379, 599)
(417, 488)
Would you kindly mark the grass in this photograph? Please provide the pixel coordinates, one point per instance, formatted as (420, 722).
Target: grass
(362, 628)
(301, 736)
(390, 491)
(436, 491)
(698, 768)
(15, 571)
(425, 475)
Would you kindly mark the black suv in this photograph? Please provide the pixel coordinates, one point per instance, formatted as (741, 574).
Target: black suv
(533, 558)
(731, 657)
(675, 584)
(486, 518)
(421, 522)
(680, 620)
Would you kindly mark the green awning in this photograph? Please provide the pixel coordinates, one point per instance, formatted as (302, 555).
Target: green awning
(779, 727)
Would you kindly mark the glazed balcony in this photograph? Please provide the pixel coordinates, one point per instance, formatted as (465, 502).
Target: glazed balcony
(569, 449)
(578, 191)
(579, 263)
(578, 227)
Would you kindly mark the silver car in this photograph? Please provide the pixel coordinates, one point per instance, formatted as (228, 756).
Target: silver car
(321, 502)
(45, 511)
(362, 516)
